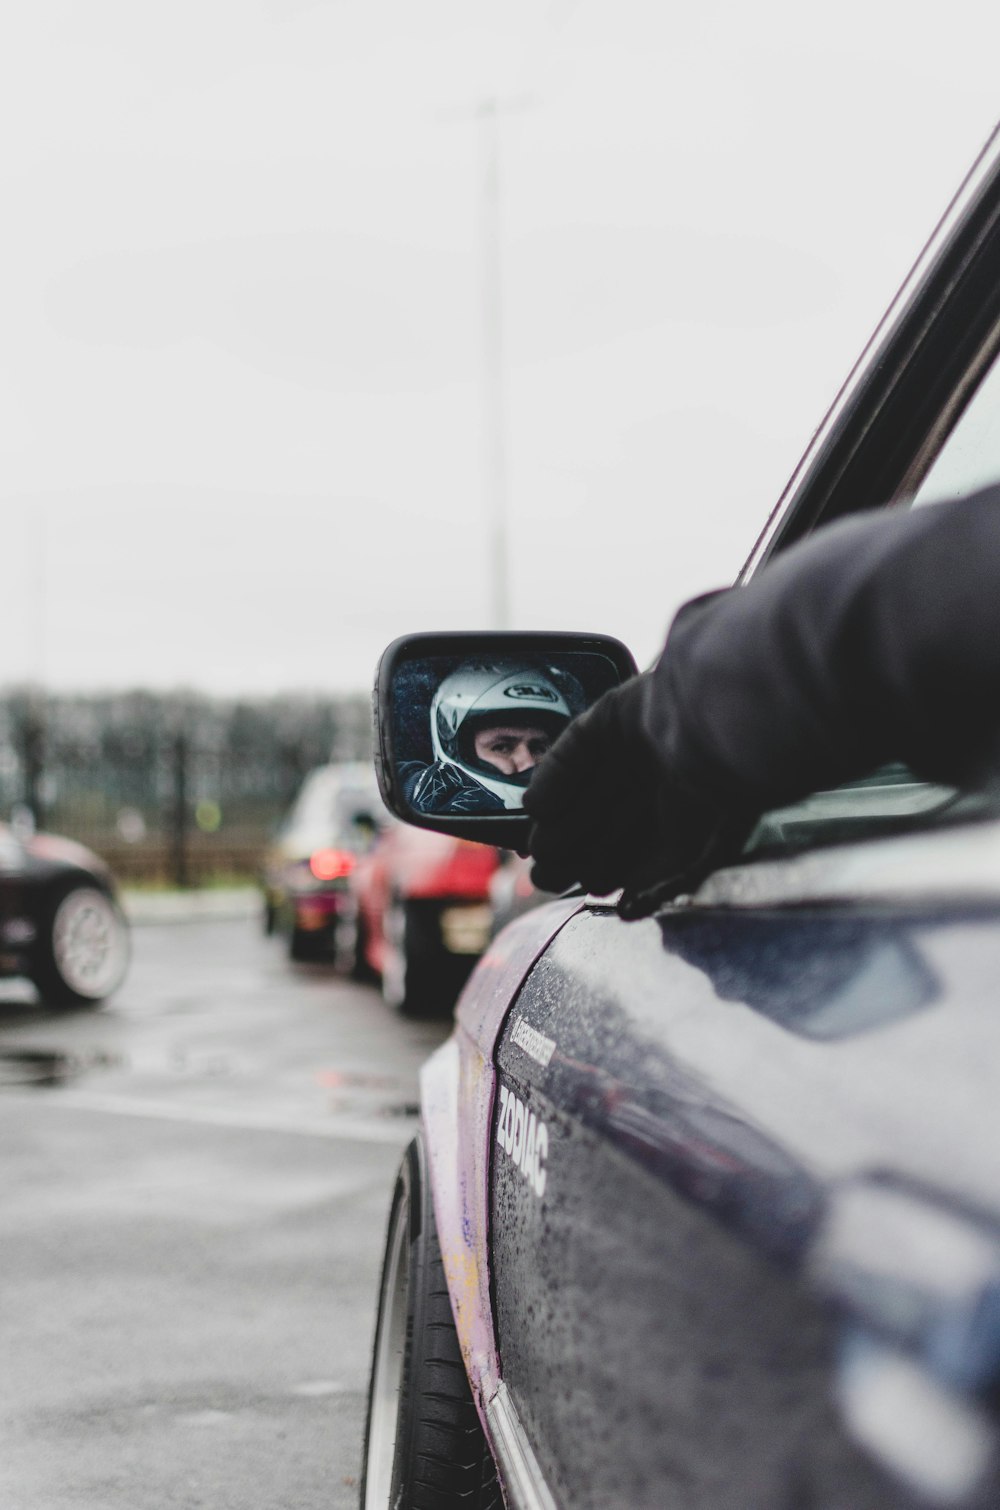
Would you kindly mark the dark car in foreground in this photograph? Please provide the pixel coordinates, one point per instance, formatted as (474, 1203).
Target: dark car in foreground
(61, 924)
(704, 1209)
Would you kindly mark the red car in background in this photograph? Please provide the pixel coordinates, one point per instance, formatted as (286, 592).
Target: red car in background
(423, 915)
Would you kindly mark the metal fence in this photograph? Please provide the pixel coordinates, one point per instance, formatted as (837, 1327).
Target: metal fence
(181, 788)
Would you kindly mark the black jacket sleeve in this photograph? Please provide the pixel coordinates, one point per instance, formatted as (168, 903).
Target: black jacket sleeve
(877, 639)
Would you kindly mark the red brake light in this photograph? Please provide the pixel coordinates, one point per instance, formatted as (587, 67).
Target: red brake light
(329, 864)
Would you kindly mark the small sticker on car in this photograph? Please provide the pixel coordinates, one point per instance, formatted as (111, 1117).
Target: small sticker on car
(535, 1044)
(524, 1138)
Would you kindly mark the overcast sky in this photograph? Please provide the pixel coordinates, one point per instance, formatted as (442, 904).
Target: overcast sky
(242, 365)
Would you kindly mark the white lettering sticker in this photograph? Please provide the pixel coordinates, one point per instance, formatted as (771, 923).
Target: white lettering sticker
(524, 1138)
(535, 1044)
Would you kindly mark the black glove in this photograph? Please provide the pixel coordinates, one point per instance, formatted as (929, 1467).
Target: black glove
(608, 813)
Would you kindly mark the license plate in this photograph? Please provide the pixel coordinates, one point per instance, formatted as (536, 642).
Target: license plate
(465, 930)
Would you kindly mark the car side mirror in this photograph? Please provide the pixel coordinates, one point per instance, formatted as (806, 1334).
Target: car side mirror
(462, 719)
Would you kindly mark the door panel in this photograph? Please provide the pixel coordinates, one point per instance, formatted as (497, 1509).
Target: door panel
(679, 1099)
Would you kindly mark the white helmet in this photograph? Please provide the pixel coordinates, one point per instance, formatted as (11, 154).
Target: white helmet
(477, 695)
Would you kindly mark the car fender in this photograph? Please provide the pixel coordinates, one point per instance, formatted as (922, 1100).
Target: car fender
(458, 1086)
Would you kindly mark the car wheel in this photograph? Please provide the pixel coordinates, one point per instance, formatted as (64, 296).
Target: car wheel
(425, 1448)
(83, 954)
(392, 979)
(356, 953)
(408, 979)
(306, 946)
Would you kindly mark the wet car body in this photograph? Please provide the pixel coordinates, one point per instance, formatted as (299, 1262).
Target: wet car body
(722, 1151)
(717, 1193)
(61, 925)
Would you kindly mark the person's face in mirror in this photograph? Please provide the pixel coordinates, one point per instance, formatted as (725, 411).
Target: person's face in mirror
(512, 748)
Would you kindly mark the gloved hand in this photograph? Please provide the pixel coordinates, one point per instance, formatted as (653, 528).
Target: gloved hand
(608, 813)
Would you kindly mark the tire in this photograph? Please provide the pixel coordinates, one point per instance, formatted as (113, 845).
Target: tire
(425, 1448)
(83, 953)
(307, 947)
(416, 978)
(397, 977)
(359, 968)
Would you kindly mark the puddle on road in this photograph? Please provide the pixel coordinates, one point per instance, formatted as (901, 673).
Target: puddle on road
(349, 1093)
(359, 1091)
(47, 1067)
(182, 1006)
(201, 1064)
(319, 1389)
(355, 1079)
(207, 1418)
(36, 1067)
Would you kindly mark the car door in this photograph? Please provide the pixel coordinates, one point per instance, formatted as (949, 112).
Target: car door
(745, 1193)
(715, 1085)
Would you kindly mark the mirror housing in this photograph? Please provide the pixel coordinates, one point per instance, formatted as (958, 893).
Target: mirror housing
(461, 719)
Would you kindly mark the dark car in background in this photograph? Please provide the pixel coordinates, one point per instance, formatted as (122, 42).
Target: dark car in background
(61, 924)
(334, 819)
(704, 1209)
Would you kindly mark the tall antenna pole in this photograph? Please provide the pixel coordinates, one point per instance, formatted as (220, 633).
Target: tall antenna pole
(494, 375)
(488, 113)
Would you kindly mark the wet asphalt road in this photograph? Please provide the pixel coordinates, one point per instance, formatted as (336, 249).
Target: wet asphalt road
(195, 1182)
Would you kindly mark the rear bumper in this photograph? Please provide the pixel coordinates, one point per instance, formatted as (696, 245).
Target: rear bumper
(315, 910)
(448, 926)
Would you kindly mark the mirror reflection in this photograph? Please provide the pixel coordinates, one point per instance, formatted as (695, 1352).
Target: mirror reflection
(469, 733)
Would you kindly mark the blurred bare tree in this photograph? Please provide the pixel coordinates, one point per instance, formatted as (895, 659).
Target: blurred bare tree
(176, 787)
